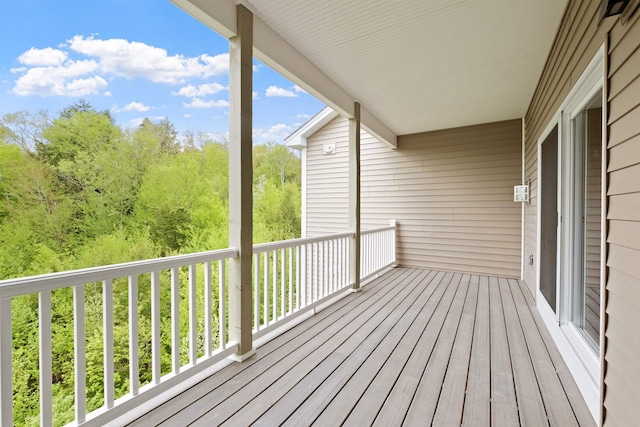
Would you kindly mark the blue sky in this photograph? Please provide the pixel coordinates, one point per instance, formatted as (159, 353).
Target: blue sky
(136, 58)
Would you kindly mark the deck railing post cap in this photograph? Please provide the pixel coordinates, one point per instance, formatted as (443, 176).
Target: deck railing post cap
(393, 222)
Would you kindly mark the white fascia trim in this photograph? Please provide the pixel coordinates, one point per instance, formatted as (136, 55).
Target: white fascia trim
(274, 51)
(298, 139)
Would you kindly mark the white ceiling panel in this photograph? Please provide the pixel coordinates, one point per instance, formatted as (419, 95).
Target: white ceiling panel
(420, 65)
(414, 65)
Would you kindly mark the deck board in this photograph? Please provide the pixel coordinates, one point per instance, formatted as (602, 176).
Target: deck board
(504, 406)
(395, 408)
(451, 403)
(477, 404)
(426, 399)
(414, 347)
(530, 407)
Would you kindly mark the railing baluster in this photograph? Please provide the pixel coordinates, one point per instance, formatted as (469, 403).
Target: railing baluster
(316, 279)
(44, 326)
(338, 263)
(134, 380)
(325, 270)
(79, 338)
(256, 291)
(6, 375)
(208, 312)
(175, 320)
(155, 327)
(266, 279)
(222, 303)
(291, 280)
(298, 276)
(107, 326)
(193, 319)
(283, 278)
(275, 285)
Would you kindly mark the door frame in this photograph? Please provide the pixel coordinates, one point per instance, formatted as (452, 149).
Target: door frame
(582, 361)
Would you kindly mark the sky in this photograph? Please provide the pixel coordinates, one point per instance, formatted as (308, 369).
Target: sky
(137, 59)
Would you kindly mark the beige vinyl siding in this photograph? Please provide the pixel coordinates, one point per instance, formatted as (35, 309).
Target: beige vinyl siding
(622, 376)
(327, 203)
(577, 41)
(451, 192)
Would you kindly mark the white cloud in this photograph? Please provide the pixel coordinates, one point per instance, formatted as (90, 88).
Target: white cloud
(274, 133)
(82, 87)
(201, 90)
(254, 95)
(132, 106)
(62, 80)
(298, 89)
(200, 103)
(42, 57)
(279, 91)
(52, 71)
(187, 115)
(303, 116)
(135, 59)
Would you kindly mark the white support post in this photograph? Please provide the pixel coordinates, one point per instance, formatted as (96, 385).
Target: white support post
(241, 182)
(6, 374)
(354, 197)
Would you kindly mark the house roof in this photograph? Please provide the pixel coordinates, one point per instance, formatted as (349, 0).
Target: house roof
(298, 139)
(414, 65)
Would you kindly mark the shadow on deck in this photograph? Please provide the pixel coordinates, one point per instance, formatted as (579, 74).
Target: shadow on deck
(415, 347)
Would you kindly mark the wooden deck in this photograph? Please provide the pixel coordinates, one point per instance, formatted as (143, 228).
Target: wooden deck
(415, 347)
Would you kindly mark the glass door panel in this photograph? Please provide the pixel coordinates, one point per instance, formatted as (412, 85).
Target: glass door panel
(587, 127)
(549, 219)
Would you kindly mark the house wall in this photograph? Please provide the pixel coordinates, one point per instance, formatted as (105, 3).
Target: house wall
(451, 192)
(577, 41)
(327, 198)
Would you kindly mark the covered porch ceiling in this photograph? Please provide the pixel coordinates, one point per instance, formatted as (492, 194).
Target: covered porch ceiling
(414, 65)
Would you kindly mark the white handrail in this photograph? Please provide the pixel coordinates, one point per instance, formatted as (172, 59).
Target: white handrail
(271, 246)
(33, 284)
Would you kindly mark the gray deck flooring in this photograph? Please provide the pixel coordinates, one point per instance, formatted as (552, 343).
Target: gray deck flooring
(414, 347)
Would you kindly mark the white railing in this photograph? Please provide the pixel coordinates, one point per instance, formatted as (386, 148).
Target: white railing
(377, 250)
(295, 276)
(290, 278)
(132, 282)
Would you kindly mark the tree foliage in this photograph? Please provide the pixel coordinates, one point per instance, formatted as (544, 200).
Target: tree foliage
(78, 191)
